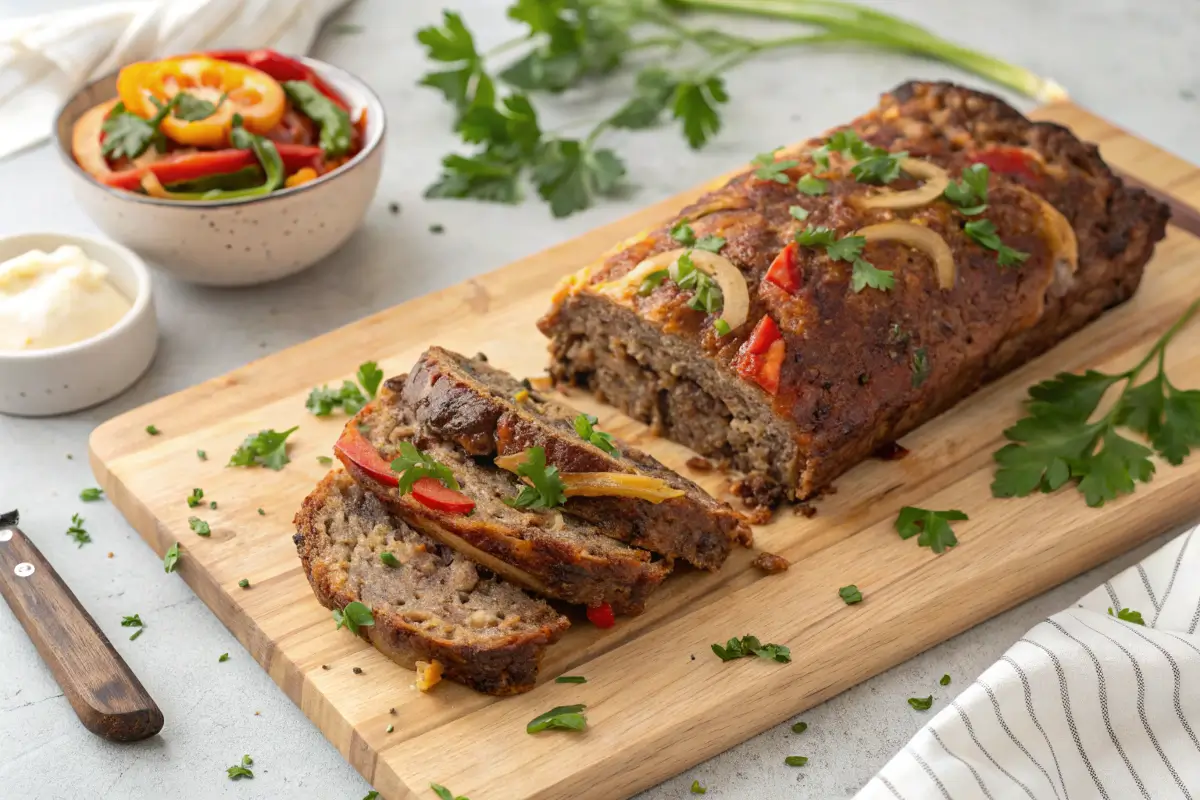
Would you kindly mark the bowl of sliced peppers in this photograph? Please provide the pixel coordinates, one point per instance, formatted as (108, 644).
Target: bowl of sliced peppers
(226, 168)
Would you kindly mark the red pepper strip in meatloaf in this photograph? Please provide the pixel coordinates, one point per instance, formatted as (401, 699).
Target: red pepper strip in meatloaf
(474, 405)
(545, 550)
(434, 604)
(860, 369)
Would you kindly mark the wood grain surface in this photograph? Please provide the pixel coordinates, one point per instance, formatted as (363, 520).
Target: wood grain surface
(108, 698)
(658, 700)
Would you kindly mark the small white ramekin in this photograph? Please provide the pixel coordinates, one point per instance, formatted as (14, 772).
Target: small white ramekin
(58, 380)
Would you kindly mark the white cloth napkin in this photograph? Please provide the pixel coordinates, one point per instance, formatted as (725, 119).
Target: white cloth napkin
(1084, 706)
(44, 59)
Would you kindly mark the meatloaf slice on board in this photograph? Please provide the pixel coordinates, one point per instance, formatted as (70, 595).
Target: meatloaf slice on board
(488, 412)
(434, 604)
(550, 552)
(827, 368)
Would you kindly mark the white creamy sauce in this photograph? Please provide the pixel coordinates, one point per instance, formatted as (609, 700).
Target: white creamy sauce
(55, 299)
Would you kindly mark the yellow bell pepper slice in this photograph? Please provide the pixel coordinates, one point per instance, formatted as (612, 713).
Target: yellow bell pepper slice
(231, 88)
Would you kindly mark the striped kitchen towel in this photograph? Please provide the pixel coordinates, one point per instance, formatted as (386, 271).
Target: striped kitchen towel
(1090, 703)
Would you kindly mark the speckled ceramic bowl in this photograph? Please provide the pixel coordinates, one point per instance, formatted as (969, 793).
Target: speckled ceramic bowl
(241, 242)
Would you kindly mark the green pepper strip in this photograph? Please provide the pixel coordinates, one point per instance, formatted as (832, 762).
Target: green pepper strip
(334, 122)
(268, 156)
(244, 178)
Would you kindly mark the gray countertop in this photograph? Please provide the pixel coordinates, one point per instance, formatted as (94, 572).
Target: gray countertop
(1132, 62)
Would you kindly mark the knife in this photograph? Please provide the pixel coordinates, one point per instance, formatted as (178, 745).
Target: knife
(106, 695)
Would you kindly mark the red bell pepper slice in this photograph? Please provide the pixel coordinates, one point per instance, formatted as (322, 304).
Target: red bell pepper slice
(430, 493)
(760, 359)
(771, 366)
(784, 271)
(602, 616)
(282, 68)
(765, 333)
(1006, 160)
(191, 166)
(353, 448)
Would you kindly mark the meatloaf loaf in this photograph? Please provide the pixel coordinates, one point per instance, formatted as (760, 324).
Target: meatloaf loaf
(431, 603)
(553, 553)
(488, 412)
(827, 362)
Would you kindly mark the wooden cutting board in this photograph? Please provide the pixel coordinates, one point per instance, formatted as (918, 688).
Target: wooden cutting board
(658, 699)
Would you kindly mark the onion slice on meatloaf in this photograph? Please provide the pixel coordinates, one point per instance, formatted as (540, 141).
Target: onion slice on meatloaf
(473, 404)
(436, 604)
(861, 368)
(550, 552)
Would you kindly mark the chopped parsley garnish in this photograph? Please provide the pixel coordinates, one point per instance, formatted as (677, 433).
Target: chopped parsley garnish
(971, 193)
(919, 366)
(850, 594)
(547, 489)
(1128, 616)
(652, 282)
(199, 526)
(945, 681)
(413, 464)
(984, 233)
(354, 616)
(796, 761)
(390, 728)
(1061, 439)
(570, 679)
(388, 559)
(193, 109)
(873, 164)
(932, 528)
(213, 505)
(241, 770)
(369, 377)
(800, 727)
(750, 646)
(262, 513)
(441, 791)
(132, 621)
(584, 427)
(77, 532)
(848, 248)
(126, 135)
(711, 244)
(324, 461)
(267, 448)
(798, 212)
(221, 659)
(91, 495)
(152, 430)
(921, 703)
(244, 583)
(171, 559)
(350, 398)
(771, 170)
(811, 186)
(374, 795)
(136, 634)
(698, 789)
(567, 718)
(195, 498)
(706, 293)
(203, 456)
(722, 327)
(682, 232)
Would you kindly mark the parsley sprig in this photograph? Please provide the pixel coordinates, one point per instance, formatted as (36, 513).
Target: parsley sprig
(567, 44)
(1128, 615)
(585, 427)
(848, 248)
(932, 528)
(771, 170)
(350, 398)
(266, 448)
(706, 292)
(983, 231)
(414, 464)
(748, 646)
(1059, 441)
(682, 232)
(126, 135)
(77, 531)
(872, 164)
(547, 486)
(354, 616)
(971, 193)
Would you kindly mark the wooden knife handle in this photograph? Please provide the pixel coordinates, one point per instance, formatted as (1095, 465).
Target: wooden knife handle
(106, 695)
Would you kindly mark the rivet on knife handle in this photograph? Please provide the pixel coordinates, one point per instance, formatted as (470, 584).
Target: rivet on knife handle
(106, 695)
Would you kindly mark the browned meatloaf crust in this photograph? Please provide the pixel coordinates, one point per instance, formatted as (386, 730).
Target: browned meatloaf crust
(545, 550)
(487, 633)
(861, 369)
(473, 404)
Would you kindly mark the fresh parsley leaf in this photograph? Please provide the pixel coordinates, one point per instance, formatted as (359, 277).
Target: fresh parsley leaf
(152, 430)
(354, 616)
(261, 513)
(77, 532)
(750, 646)
(818, 236)
(568, 718)
(193, 109)
(706, 292)
(247, 761)
(971, 193)
(682, 232)
(850, 594)
(800, 727)
(91, 495)
(199, 526)
(126, 135)
(866, 274)
(919, 365)
(481, 177)
(244, 583)
(652, 282)
(846, 143)
(350, 398)
(132, 621)
(932, 528)
(570, 176)
(983, 231)
(879, 168)
(570, 679)
(1127, 615)
(267, 448)
(811, 186)
(945, 681)
(171, 559)
(195, 498)
(584, 427)
(465, 83)
(697, 788)
(798, 212)
(547, 489)
(771, 170)
(573, 41)
(413, 464)
(653, 92)
(441, 791)
(238, 771)
(796, 761)
(212, 504)
(369, 377)
(712, 244)
(848, 248)
(221, 659)
(695, 105)
(921, 703)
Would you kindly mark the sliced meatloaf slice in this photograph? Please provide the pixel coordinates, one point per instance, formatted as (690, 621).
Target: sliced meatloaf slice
(432, 604)
(545, 550)
(488, 412)
(835, 358)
